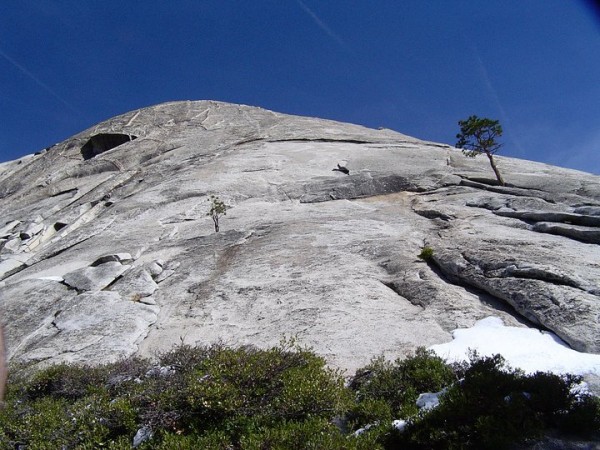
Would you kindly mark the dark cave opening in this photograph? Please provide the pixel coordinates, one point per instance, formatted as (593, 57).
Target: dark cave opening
(102, 142)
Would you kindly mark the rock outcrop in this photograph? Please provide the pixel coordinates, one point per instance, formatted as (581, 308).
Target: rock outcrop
(106, 248)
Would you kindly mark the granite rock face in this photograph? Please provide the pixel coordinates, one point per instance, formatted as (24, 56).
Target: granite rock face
(106, 249)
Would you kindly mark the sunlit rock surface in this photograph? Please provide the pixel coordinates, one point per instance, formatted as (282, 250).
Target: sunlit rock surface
(106, 249)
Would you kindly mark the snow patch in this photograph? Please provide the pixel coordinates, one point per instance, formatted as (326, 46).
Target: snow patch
(525, 348)
(399, 424)
(365, 428)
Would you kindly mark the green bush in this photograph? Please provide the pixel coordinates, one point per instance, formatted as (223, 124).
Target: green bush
(315, 433)
(495, 407)
(426, 253)
(397, 385)
(64, 381)
(207, 397)
(217, 397)
(51, 423)
(268, 386)
(212, 440)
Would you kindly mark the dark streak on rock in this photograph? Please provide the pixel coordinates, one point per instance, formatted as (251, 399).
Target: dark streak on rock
(520, 192)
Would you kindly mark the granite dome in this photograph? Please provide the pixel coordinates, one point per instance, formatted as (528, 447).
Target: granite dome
(107, 251)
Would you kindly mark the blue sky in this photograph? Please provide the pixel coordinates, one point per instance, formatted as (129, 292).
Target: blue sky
(415, 66)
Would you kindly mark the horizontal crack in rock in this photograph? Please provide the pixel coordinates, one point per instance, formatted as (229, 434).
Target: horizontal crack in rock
(433, 214)
(353, 187)
(512, 269)
(575, 232)
(344, 141)
(550, 301)
(521, 192)
(551, 216)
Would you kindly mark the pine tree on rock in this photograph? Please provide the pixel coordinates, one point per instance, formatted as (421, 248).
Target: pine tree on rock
(478, 135)
(217, 209)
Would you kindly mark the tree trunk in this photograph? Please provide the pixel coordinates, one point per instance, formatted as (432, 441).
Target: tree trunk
(216, 221)
(496, 171)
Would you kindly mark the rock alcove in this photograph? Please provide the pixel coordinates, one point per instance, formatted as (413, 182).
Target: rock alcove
(102, 142)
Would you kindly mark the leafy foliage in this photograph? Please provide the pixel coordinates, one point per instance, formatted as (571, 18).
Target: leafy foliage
(217, 397)
(206, 397)
(3, 374)
(217, 209)
(426, 253)
(494, 407)
(384, 389)
(479, 135)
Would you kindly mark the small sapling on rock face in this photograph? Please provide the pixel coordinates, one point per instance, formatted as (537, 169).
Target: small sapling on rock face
(217, 209)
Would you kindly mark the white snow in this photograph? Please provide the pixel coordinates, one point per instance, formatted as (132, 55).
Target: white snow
(366, 428)
(399, 424)
(526, 348)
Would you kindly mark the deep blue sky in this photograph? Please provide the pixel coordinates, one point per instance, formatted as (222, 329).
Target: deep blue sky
(414, 66)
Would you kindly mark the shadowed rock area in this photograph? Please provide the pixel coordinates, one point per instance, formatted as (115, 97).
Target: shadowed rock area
(100, 143)
(106, 249)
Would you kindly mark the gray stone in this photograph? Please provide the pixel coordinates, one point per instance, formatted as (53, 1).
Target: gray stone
(147, 300)
(10, 266)
(167, 269)
(53, 278)
(142, 435)
(552, 216)
(12, 245)
(135, 284)
(27, 324)
(155, 268)
(10, 226)
(589, 210)
(94, 278)
(551, 298)
(303, 250)
(97, 327)
(580, 233)
(123, 258)
(161, 371)
(30, 230)
(164, 275)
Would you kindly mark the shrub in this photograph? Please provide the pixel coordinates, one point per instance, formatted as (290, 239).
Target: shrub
(269, 386)
(396, 385)
(207, 397)
(314, 433)
(215, 440)
(50, 423)
(495, 407)
(285, 397)
(426, 253)
(64, 381)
